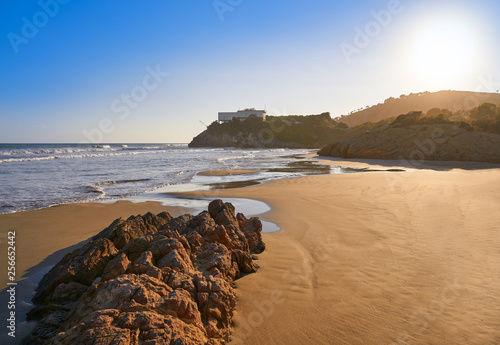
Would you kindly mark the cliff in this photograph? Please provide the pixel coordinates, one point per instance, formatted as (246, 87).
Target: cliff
(312, 131)
(416, 142)
(150, 279)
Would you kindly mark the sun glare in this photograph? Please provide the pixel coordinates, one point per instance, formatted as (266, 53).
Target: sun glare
(444, 51)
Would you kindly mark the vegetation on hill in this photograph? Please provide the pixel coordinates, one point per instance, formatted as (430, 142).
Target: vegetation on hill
(276, 131)
(439, 134)
(455, 101)
(484, 118)
(313, 131)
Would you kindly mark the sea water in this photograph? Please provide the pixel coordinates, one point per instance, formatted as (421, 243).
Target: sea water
(34, 176)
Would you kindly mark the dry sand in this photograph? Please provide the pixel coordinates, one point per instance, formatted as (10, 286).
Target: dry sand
(376, 258)
(226, 172)
(46, 234)
(365, 258)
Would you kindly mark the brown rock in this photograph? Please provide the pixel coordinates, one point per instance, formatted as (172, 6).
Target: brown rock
(142, 264)
(67, 292)
(170, 283)
(136, 247)
(82, 266)
(116, 267)
(252, 229)
(177, 259)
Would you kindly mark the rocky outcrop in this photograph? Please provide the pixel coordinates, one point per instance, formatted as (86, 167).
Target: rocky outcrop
(442, 142)
(150, 279)
(243, 140)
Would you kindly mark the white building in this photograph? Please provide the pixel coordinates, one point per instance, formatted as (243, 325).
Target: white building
(242, 114)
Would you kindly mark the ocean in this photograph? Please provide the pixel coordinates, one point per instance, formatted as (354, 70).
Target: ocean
(35, 176)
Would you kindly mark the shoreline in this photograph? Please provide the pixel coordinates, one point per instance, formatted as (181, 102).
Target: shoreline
(384, 164)
(403, 258)
(226, 172)
(44, 236)
(291, 267)
(70, 226)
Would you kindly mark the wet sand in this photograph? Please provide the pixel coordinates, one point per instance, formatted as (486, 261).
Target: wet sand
(363, 258)
(376, 258)
(42, 233)
(226, 172)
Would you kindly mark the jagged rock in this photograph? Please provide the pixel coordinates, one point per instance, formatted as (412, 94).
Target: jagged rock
(136, 247)
(143, 263)
(216, 299)
(170, 282)
(252, 229)
(179, 224)
(67, 292)
(244, 261)
(121, 232)
(82, 266)
(164, 245)
(116, 267)
(177, 259)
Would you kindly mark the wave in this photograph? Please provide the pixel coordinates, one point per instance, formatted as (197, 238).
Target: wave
(56, 151)
(122, 181)
(227, 158)
(95, 189)
(181, 172)
(91, 155)
(32, 155)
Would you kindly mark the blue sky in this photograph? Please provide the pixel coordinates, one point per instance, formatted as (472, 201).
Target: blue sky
(154, 71)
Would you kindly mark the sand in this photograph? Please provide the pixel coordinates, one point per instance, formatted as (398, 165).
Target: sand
(44, 236)
(226, 172)
(362, 258)
(376, 258)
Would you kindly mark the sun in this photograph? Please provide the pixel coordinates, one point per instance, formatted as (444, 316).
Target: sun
(444, 50)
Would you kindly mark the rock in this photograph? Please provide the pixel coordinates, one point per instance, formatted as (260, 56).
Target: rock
(142, 264)
(170, 282)
(116, 267)
(217, 259)
(247, 140)
(180, 303)
(244, 261)
(122, 232)
(67, 292)
(179, 224)
(216, 299)
(252, 229)
(136, 247)
(178, 260)
(164, 245)
(228, 231)
(82, 266)
(415, 143)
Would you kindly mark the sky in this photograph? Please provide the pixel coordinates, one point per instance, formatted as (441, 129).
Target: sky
(159, 71)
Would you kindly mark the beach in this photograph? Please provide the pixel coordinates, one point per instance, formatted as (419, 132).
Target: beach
(362, 258)
(376, 258)
(44, 236)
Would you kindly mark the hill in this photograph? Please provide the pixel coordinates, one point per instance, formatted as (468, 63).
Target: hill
(292, 131)
(416, 136)
(456, 101)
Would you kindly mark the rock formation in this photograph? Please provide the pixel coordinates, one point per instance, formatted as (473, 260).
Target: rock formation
(150, 279)
(243, 140)
(442, 142)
